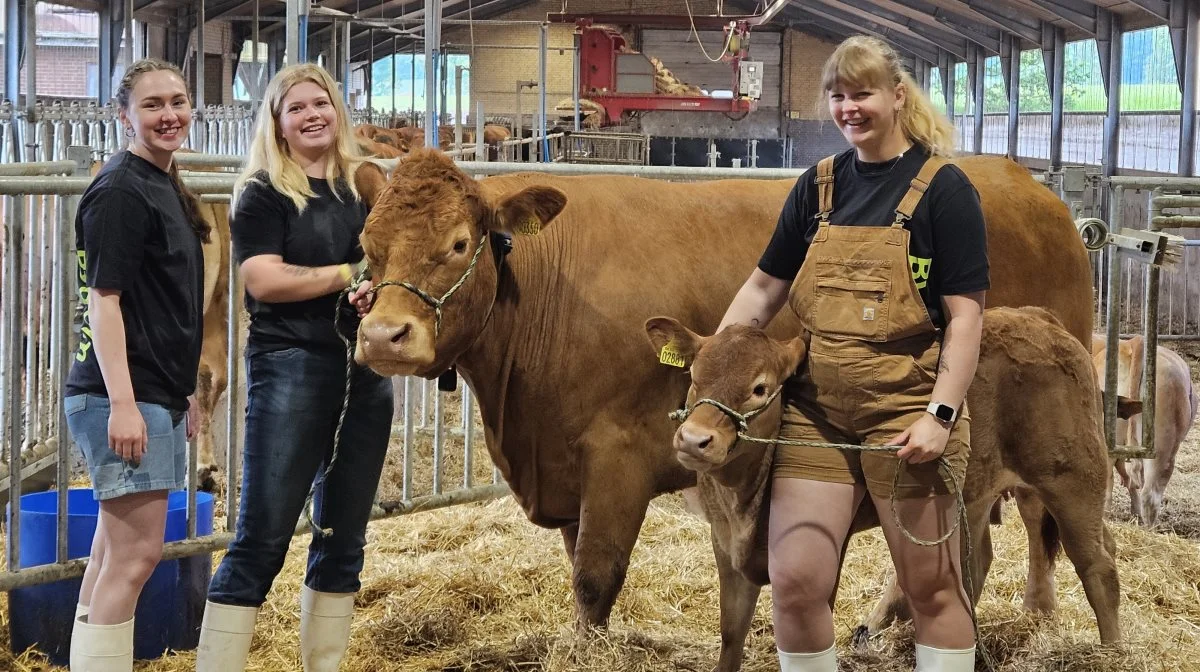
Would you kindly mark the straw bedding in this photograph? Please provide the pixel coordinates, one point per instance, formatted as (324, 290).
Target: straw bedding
(478, 588)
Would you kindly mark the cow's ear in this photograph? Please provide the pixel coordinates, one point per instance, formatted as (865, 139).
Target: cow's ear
(794, 352)
(675, 344)
(529, 210)
(370, 181)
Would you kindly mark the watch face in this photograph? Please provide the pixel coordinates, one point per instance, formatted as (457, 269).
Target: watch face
(944, 413)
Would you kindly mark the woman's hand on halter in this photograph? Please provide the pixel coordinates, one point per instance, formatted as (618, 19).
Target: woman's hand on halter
(362, 298)
(923, 441)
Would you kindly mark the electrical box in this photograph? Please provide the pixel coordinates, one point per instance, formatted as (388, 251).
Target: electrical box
(750, 79)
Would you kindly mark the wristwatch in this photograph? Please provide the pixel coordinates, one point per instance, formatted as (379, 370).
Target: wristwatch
(945, 414)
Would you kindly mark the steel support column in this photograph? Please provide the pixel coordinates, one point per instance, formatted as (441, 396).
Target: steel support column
(977, 75)
(344, 60)
(1014, 94)
(14, 44)
(1110, 62)
(1187, 84)
(543, 45)
(1054, 45)
(433, 44)
(946, 70)
(128, 32)
(30, 27)
(110, 20)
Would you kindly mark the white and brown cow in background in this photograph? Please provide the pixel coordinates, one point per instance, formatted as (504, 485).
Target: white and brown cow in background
(1175, 410)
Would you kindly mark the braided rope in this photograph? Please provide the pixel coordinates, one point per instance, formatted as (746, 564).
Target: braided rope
(436, 304)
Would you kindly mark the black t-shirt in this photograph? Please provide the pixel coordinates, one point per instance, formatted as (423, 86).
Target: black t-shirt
(947, 240)
(133, 236)
(325, 233)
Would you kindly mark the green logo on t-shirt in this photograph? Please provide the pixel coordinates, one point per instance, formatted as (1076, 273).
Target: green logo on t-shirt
(920, 270)
(85, 336)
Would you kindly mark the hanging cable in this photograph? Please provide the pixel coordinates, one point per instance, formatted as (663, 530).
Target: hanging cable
(692, 21)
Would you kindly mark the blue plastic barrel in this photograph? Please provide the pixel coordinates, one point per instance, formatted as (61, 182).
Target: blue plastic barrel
(171, 605)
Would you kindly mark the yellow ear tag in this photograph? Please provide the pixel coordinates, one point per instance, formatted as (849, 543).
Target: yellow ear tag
(671, 356)
(530, 226)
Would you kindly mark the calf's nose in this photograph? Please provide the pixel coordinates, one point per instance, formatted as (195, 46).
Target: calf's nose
(692, 441)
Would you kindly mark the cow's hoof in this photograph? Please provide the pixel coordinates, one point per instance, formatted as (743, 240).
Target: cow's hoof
(204, 479)
(860, 638)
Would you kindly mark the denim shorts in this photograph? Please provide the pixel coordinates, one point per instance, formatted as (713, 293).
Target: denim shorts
(162, 467)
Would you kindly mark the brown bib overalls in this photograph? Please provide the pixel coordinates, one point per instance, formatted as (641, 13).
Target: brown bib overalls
(873, 356)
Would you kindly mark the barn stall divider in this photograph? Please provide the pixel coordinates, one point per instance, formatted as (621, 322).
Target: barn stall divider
(32, 414)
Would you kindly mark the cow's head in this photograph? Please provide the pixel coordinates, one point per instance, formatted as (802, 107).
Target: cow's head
(740, 368)
(428, 233)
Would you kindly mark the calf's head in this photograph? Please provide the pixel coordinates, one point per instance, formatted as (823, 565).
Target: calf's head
(426, 240)
(741, 369)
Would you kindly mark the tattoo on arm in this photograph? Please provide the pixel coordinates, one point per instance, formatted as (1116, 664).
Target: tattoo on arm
(300, 271)
(943, 366)
(754, 322)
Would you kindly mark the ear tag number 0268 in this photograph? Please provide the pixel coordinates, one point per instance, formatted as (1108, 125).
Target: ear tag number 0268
(671, 356)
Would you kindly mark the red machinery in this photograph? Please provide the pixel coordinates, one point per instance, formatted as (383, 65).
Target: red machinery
(623, 82)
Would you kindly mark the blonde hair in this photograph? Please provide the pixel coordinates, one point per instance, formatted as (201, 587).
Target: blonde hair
(269, 151)
(870, 62)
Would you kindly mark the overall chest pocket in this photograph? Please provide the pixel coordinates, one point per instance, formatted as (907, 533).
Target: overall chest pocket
(852, 301)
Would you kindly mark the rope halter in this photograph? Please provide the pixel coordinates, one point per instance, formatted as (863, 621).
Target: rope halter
(432, 302)
(740, 420)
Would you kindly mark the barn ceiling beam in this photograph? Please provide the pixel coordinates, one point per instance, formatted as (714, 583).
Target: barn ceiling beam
(938, 37)
(1078, 13)
(1159, 9)
(977, 32)
(1023, 26)
(841, 25)
(830, 9)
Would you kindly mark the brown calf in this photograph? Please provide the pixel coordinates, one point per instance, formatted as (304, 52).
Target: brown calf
(1035, 411)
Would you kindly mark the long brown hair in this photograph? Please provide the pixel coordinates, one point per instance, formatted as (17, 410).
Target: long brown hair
(867, 61)
(191, 204)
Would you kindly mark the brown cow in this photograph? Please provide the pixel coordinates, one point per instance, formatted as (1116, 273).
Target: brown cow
(575, 417)
(1175, 410)
(390, 143)
(1036, 420)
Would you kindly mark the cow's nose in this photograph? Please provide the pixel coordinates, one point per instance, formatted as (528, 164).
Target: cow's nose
(694, 442)
(386, 334)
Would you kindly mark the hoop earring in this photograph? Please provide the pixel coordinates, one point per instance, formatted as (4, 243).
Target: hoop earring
(129, 132)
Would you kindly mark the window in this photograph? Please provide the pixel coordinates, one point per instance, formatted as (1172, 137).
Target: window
(93, 80)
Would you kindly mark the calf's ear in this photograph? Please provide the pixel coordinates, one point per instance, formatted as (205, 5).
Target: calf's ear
(529, 210)
(675, 344)
(794, 353)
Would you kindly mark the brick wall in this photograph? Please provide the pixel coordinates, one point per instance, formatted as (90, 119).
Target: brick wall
(805, 55)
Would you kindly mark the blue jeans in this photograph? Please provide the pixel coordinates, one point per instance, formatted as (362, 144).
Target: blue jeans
(294, 397)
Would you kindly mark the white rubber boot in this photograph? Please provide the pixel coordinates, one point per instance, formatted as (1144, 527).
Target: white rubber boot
(930, 659)
(324, 628)
(101, 648)
(822, 661)
(225, 636)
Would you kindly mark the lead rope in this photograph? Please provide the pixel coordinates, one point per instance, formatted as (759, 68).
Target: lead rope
(436, 304)
(741, 421)
(309, 514)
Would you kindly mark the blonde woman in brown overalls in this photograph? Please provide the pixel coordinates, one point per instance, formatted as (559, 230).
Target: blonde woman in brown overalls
(886, 246)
